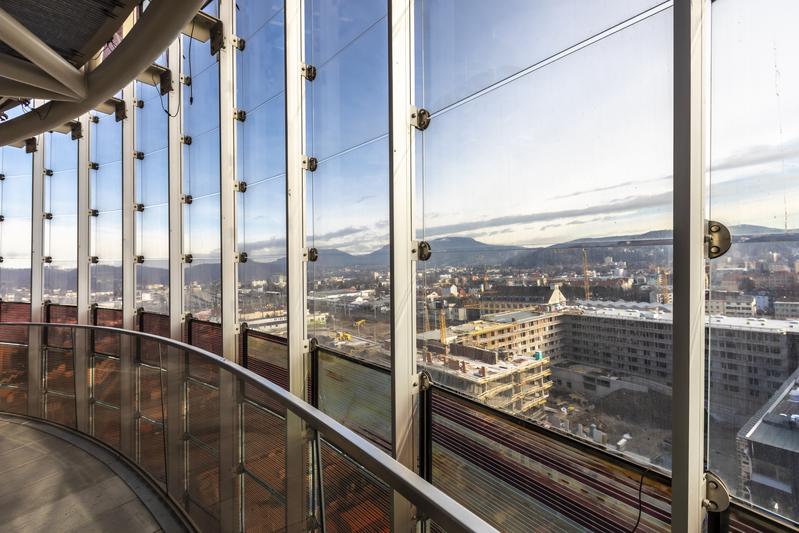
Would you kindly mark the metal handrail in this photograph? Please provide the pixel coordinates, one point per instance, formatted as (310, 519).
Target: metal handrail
(428, 499)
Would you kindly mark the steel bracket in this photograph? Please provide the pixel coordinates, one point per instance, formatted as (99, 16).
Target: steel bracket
(309, 72)
(420, 118)
(421, 250)
(717, 496)
(718, 239)
(309, 163)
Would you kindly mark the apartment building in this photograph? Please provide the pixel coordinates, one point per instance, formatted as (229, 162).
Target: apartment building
(631, 343)
(786, 310)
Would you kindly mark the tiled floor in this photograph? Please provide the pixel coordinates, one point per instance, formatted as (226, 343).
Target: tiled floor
(48, 484)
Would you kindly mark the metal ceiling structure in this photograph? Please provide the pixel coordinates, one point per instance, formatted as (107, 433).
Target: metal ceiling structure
(49, 50)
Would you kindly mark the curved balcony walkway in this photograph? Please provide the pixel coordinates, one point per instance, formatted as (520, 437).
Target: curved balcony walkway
(54, 480)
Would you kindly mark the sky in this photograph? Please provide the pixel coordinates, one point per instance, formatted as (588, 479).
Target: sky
(579, 147)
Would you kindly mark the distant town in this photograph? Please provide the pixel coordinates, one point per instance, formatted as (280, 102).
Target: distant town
(575, 337)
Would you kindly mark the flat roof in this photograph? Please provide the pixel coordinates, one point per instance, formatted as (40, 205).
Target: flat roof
(731, 322)
(771, 426)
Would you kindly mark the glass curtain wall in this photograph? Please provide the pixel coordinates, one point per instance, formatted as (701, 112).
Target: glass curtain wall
(753, 294)
(16, 173)
(105, 204)
(60, 224)
(544, 188)
(151, 175)
(347, 194)
(261, 166)
(201, 179)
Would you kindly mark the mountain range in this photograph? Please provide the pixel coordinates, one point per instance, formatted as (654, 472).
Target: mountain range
(639, 249)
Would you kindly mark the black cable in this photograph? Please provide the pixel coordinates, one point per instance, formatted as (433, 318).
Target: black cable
(37, 111)
(640, 500)
(191, 84)
(161, 99)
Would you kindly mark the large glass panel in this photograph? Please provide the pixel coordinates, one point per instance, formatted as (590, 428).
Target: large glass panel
(201, 180)
(60, 224)
(151, 177)
(261, 164)
(520, 478)
(545, 191)
(469, 45)
(357, 395)
(753, 314)
(16, 171)
(347, 195)
(105, 200)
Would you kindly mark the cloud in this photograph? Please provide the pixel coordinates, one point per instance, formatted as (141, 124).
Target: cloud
(631, 183)
(661, 200)
(343, 232)
(759, 154)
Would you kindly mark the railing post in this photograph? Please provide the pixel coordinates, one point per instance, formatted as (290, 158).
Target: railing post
(175, 415)
(81, 348)
(691, 52)
(228, 417)
(403, 268)
(296, 477)
(37, 290)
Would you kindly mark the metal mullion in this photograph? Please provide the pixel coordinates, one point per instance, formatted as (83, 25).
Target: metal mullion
(106, 404)
(193, 380)
(204, 445)
(691, 50)
(151, 421)
(176, 371)
(127, 362)
(403, 268)
(264, 485)
(265, 410)
(81, 344)
(228, 407)
(296, 479)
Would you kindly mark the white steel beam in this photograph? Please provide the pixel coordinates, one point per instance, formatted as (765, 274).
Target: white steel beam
(127, 347)
(227, 133)
(295, 259)
(37, 290)
(228, 416)
(31, 76)
(158, 26)
(21, 39)
(16, 89)
(175, 128)
(84, 233)
(691, 51)
(128, 209)
(403, 268)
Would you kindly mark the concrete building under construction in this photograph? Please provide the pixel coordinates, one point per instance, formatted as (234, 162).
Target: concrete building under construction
(629, 343)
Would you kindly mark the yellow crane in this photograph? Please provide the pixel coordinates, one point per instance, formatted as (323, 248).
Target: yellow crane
(663, 286)
(358, 324)
(442, 324)
(586, 283)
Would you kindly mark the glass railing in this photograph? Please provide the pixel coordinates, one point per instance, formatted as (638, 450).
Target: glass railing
(517, 475)
(212, 434)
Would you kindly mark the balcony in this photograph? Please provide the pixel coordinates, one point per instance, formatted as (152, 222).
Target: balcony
(178, 438)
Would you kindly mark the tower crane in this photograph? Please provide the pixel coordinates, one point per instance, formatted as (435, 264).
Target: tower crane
(586, 284)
